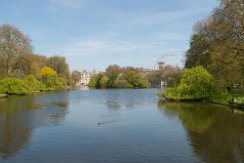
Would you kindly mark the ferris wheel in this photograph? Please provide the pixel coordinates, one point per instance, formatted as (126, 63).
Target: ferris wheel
(161, 62)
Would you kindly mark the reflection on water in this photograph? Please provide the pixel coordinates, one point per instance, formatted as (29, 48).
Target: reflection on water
(216, 133)
(19, 115)
(122, 125)
(197, 117)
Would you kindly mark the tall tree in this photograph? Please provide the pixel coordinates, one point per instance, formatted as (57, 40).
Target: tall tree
(76, 76)
(13, 43)
(59, 64)
(30, 64)
(218, 44)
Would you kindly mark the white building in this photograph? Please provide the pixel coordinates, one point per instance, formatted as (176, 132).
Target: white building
(86, 76)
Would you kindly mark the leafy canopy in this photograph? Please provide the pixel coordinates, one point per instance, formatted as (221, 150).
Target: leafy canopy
(195, 83)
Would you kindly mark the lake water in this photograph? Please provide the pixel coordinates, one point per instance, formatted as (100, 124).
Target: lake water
(117, 126)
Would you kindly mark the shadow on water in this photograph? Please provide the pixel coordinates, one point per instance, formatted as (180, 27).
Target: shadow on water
(20, 115)
(215, 132)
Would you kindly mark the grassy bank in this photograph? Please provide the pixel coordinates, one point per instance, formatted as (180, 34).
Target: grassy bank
(233, 98)
(197, 84)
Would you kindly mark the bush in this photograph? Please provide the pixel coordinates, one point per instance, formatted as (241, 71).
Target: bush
(143, 83)
(34, 84)
(112, 78)
(195, 83)
(92, 82)
(103, 82)
(129, 78)
(122, 83)
(135, 78)
(54, 83)
(14, 86)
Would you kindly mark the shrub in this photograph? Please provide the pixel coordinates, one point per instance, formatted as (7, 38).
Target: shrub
(92, 82)
(143, 83)
(122, 83)
(34, 84)
(54, 82)
(195, 83)
(135, 78)
(112, 78)
(14, 86)
(103, 81)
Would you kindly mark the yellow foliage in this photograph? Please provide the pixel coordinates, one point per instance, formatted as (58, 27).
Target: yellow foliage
(47, 71)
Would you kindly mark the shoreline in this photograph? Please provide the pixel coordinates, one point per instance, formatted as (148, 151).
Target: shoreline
(204, 100)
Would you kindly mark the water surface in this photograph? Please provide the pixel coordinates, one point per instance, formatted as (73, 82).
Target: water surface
(117, 126)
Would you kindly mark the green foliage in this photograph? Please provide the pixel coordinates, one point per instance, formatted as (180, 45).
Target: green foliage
(30, 84)
(198, 53)
(218, 45)
(195, 83)
(93, 81)
(136, 79)
(99, 77)
(54, 83)
(14, 86)
(112, 78)
(103, 82)
(121, 82)
(34, 84)
(236, 93)
(116, 77)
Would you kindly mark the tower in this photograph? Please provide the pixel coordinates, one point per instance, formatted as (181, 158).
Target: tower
(160, 65)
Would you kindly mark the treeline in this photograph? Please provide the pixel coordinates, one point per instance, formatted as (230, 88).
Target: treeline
(218, 44)
(214, 68)
(22, 71)
(167, 74)
(120, 77)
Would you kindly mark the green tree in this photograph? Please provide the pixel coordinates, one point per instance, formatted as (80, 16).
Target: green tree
(195, 83)
(136, 79)
(54, 83)
(121, 82)
(93, 81)
(103, 82)
(112, 79)
(218, 44)
(199, 53)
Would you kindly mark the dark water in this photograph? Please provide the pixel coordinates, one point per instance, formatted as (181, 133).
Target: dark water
(117, 126)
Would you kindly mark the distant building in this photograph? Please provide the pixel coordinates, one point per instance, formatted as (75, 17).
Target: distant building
(86, 76)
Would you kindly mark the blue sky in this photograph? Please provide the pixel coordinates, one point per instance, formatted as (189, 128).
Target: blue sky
(95, 33)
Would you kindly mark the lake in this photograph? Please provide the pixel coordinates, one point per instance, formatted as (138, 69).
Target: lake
(120, 125)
